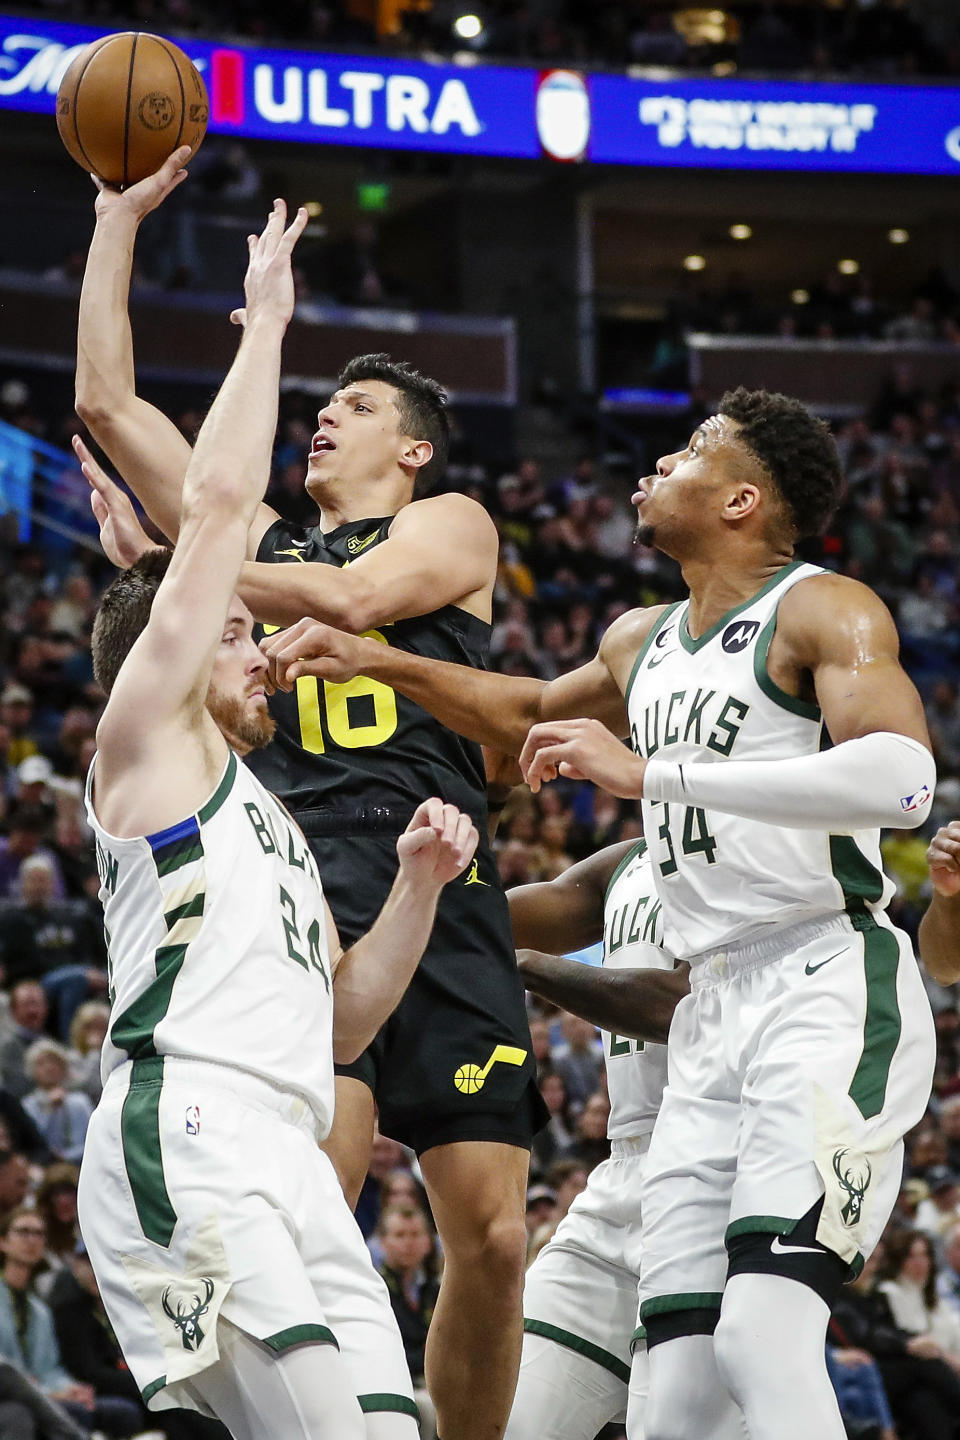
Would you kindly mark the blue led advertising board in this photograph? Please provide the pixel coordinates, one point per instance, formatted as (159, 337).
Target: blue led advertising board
(522, 112)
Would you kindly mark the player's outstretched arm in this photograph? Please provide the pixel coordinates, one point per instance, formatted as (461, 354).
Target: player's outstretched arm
(167, 673)
(495, 710)
(637, 1004)
(939, 937)
(370, 977)
(567, 913)
(145, 446)
(440, 551)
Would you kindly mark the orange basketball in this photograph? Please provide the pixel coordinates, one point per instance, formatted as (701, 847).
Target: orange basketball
(127, 102)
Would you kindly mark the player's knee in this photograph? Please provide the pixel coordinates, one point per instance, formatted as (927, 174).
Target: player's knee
(498, 1251)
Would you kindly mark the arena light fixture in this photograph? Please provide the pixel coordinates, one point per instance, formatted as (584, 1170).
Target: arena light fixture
(800, 296)
(694, 262)
(313, 208)
(468, 27)
(897, 236)
(848, 267)
(740, 232)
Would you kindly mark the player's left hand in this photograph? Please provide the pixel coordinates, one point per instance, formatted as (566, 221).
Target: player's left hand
(943, 857)
(437, 845)
(122, 536)
(268, 284)
(581, 750)
(311, 648)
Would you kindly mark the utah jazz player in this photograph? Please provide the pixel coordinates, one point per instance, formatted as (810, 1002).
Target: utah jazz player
(453, 1073)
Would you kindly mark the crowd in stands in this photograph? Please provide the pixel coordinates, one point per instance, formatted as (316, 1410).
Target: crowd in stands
(568, 568)
(885, 40)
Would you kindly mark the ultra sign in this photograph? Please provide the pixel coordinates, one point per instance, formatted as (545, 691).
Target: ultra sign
(524, 113)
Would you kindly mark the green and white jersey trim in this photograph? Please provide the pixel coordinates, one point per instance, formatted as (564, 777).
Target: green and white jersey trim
(710, 698)
(218, 947)
(633, 939)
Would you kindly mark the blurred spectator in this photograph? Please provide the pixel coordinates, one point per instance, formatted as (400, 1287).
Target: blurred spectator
(28, 1015)
(385, 1156)
(56, 1204)
(579, 1060)
(590, 1144)
(410, 1271)
(557, 1134)
(910, 1286)
(26, 829)
(948, 1279)
(940, 1212)
(54, 941)
(60, 1114)
(14, 1182)
(87, 1034)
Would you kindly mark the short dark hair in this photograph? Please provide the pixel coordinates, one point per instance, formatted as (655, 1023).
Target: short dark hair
(795, 448)
(123, 614)
(421, 404)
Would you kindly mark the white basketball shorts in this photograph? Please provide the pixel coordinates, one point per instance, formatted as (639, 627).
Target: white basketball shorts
(796, 1065)
(203, 1193)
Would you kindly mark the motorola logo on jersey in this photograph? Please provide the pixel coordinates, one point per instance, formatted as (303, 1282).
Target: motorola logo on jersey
(658, 644)
(737, 636)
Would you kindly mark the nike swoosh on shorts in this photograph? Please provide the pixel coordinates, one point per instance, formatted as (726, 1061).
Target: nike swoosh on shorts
(809, 969)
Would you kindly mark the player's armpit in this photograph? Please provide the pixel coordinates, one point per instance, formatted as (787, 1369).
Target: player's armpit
(566, 913)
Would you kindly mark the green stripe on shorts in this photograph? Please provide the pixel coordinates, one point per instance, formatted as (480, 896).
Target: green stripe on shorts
(569, 1341)
(668, 1304)
(300, 1335)
(148, 1392)
(881, 1026)
(142, 1155)
(378, 1404)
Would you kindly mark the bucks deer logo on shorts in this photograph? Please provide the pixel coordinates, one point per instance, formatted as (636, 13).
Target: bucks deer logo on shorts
(854, 1175)
(188, 1321)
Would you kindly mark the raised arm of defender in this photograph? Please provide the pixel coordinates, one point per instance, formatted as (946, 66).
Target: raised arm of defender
(162, 686)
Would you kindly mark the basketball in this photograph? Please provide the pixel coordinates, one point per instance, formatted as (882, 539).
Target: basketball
(126, 103)
(469, 1079)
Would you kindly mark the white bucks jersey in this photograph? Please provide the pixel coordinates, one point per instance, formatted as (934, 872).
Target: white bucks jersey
(723, 879)
(217, 945)
(633, 940)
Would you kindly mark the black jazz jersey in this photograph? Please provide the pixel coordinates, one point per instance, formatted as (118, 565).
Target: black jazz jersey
(360, 750)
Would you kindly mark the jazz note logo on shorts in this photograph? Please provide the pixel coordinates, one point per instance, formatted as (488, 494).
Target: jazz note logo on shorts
(469, 1078)
(193, 1119)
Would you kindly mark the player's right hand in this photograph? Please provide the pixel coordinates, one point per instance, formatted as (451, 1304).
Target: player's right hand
(138, 200)
(437, 845)
(943, 857)
(122, 536)
(311, 648)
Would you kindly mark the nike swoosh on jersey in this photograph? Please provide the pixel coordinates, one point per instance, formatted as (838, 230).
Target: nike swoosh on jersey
(809, 969)
(777, 1247)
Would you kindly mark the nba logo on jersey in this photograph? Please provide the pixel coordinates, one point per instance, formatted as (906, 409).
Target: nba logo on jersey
(193, 1119)
(912, 802)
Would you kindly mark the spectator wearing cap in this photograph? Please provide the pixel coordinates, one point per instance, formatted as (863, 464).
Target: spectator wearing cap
(51, 940)
(16, 714)
(60, 1114)
(940, 1211)
(28, 1015)
(26, 829)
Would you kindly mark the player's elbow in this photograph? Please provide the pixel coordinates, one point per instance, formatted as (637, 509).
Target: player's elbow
(912, 778)
(352, 608)
(92, 404)
(349, 1043)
